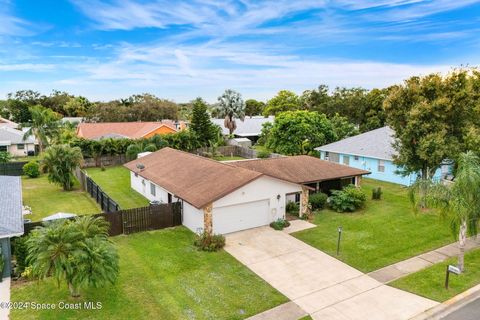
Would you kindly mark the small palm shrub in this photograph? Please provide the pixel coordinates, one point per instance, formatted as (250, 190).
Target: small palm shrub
(348, 199)
(20, 251)
(279, 224)
(31, 169)
(377, 193)
(318, 200)
(208, 242)
(292, 208)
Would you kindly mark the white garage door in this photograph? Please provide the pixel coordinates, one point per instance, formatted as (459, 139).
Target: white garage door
(240, 217)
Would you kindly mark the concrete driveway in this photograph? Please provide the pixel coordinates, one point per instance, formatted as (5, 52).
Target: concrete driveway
(322, 286)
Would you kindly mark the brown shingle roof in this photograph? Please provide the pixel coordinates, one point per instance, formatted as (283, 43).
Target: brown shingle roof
(132, 130)
(300, 169)
(197, 180)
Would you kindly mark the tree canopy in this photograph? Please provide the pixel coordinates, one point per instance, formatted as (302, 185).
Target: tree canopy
(205, 130)
(231, 105)
(284, 101)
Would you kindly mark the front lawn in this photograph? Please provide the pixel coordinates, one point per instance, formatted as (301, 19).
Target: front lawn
(46, 198)
(115, 181)
(430, 282)
(162, 276)
(385, 232)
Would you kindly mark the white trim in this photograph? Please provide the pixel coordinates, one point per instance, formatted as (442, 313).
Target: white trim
(353, 154)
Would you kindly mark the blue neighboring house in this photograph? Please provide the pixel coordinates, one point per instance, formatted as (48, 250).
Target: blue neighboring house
(11, 217)
(373, 151)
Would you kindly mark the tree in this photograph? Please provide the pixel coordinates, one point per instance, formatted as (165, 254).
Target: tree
(298, 132)
(77, 252)
(138, 147)
(254, 107)
(231, 105)
(430, 116)
(60, 161)
(458, 202)
(201, 124)
(77, 107)
(316, 100)
(284, 101)
(342, 128)
(44, 125)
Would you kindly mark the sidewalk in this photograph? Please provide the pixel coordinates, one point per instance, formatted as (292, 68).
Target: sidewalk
(425, 260)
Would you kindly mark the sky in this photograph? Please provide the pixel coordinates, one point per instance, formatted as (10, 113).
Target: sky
(180, 50)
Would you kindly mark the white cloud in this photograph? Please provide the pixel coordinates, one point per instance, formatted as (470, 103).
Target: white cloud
(33, 67)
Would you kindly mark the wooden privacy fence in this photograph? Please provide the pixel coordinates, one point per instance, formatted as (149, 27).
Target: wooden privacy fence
(105, 161)
(234, 151)
(12, 168)
(135, 220)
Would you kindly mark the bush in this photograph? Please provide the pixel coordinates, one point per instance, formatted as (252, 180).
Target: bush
(279, 224)
(377, 193)
(20, 252)
(2, 264)
(263, 154)
(31, 169)
(349, 199)
(207, 242)
(318, 200)
(292, 208)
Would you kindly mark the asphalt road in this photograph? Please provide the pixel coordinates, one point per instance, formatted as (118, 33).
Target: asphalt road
(469, 311)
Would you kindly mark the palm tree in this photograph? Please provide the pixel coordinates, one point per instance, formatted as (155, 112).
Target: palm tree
(44, 125)
(231, 105)
(140, 146)
(459, 201)
(77, 252)
(60, 161)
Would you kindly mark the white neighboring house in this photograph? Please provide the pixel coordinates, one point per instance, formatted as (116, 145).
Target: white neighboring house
(11, 141)
(224, 197)
(250, 127)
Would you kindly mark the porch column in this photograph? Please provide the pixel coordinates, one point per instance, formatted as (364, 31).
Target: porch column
(358, 181)
(207, 219)
(304, 201)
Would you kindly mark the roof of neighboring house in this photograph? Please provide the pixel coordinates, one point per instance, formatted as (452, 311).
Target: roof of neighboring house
(250, 126)
(9, 136)
(300, 169)
(195, 179)
(373, 144)
(133, 130)
(11, 218)
(7, 123)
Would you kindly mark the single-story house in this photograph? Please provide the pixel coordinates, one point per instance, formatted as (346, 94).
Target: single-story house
(226, 197)
(128, 130)
(11, 141)
(7, 123)
(372, 151)
(250, 127)
(11, 218)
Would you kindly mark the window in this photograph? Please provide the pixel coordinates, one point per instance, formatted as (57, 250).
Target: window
(3, 148)
(334, 157)
(346, 160)
(326, 155)
(356, 158)
(153, 191)
(381, 166)
(21, 146)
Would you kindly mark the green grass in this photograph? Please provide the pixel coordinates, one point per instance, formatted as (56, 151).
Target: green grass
(115, 181)
(162, 276)
(385, 232)
(225, 158)
(46, 198)
(260, 147)
(26, 158)
(430, 282)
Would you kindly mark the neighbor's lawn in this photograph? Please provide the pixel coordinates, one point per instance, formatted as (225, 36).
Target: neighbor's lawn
(162, 276)
(46, 198)
(115, 181)
(225, 158)
(385, 232)
(430, 282)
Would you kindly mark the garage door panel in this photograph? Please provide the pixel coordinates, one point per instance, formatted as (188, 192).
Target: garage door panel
(241, 216)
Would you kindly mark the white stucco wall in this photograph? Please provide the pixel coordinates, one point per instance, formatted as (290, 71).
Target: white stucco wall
(160, 193)
(192, 217)
(14, 151)
(262, 188)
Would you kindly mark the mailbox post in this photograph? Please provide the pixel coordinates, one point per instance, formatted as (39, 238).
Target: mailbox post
(450, 269)
(339, 238)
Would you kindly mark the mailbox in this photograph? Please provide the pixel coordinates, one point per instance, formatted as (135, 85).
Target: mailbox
(454, 269)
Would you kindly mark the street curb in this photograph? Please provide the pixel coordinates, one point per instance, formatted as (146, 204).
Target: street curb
(449, 306)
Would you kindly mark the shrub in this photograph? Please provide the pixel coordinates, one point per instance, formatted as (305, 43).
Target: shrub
(20, 252)
(349, 199)
(292, 208)
(31, 169)
(2, 264)
(207, 242)
(318, 200)
(263, 154)
(279, 224)
(377, 193)
(5, 157)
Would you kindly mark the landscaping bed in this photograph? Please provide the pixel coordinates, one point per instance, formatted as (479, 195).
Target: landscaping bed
(115, 181)
(430, 282)
(384, 232)
(162, 276)
(46, 198)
